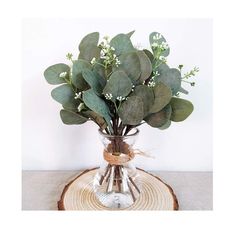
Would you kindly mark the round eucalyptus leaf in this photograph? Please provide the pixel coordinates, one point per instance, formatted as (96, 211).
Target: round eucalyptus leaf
(181, 109)
(98, 105)
(131, 111)
(119, 84)
(93, 80)
(165, 126)
(149, 54)
(130, 64)
(71, 118)
(89, 52)
(52, 73)
(147, 96)
(145, 66)
(65, 96)
(171, 78)
(122, 44)
(160, 118)
(162, 96)
(77, 79)
(89, 39)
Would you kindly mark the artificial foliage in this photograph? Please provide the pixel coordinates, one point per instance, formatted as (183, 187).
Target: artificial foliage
(119, 86)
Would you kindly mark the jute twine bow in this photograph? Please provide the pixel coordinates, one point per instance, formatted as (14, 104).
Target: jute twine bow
(122, 158)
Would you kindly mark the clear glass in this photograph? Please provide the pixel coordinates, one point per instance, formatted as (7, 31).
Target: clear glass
(117, 183)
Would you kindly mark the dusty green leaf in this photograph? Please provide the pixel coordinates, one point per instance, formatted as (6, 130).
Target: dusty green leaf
(171, 78)
(65, 96)
(89, 52)
(122, 44)
(131, 111)
(77, 79)
(119, 84)
(145, 66)
(93, 80)
(181, 109)
(130, 64)
(162, 96)
(130, 33)
(147, 96)
(160, 118)
(96, 104)
(149, 54)
(52, 73)
(98, 68)
(71, 118)
(165, 126)
(89, 39)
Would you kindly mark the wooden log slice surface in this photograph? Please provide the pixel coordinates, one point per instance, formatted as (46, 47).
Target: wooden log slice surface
(156, 195)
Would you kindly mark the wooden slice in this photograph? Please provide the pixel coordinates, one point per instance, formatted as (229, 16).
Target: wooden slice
(155, 194)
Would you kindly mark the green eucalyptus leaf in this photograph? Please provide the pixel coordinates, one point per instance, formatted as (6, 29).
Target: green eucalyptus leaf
(89, 52)
(122, 44)
(162, 96)
(77, 79)
(171, 78)
(165, 126)
(181, 109)
(96, 118)
(88, 47)
(119, 84)
(98, 105)
(65, 96)
(98, 68)
(159, 41)
(162, 68)
(145, 66)
(93, 80)
(147, 96)
(130, 33)
(52, 73)
(71, 118)
(89, 39)
(149, 54)
(160, 118)
(131, 111)
(130, 64)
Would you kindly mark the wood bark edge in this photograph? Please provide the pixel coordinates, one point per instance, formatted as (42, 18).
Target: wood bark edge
(60, 203)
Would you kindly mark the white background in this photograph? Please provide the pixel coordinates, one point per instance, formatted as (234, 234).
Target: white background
(48, 144)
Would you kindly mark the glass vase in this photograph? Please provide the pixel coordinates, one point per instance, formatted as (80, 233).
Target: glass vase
(117, 183)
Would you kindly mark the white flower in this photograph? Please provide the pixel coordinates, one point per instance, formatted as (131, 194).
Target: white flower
(155, 44)
(164, 46)
(120, 98)
(151, 83)
(77, 95)
(156, 73)
(93, 60)
(112, 48)
(162, 58)
(63, 74)
(81, 107)
(108, 96)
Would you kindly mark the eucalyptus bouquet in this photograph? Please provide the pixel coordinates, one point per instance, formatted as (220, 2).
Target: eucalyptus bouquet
(119, 86)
